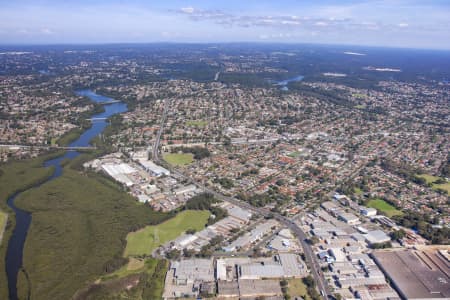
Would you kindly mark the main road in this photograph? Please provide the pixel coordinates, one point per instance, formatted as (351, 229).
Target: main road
(310, 258)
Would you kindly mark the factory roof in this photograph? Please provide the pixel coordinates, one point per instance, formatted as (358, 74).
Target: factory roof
(416, 274)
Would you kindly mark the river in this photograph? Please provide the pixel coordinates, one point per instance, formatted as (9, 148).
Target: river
(14, 253)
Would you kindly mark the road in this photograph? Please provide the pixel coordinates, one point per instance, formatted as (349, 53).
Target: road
(310, 258)
(161, 128)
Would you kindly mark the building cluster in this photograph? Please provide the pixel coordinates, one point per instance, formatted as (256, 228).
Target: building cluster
(148, 182)
(234, 277)
(343, 240)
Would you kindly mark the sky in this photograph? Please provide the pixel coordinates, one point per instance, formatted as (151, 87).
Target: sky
(392, 23)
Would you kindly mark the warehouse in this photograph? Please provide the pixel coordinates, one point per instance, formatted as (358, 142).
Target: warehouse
(349, 218)
(416, 274)
(376, 237)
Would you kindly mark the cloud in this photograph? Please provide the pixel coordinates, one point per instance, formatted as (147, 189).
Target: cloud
(403, 25)
(188, 10)
(279, 22)
(46, 31)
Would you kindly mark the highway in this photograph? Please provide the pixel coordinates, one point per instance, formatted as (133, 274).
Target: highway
(310, 258)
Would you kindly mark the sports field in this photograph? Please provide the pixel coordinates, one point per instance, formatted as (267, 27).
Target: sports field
(144, 241)
(179, 159)
(196, 123)
(384, 207)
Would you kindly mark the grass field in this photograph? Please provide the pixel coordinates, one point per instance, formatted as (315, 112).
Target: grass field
(149, 238)
(197, 123)
(151, 277)
(179, 159)
(80, 222)
(294, 154)
(358, 191)
(134, 266)
(430, 179)
(296, 287)
(384, 207)
(443, 186)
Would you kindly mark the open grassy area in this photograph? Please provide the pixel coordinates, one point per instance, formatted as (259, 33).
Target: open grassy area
(443, 186)
(358, 191)
(384, 207)
(147, 283)
(134, 266)
(144, 241)
(80, 222)
(197, 123)
(179, 159)
(296, 287)
(430, 179)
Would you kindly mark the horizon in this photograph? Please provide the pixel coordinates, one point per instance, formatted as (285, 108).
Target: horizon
(369, 23)
(259, 43)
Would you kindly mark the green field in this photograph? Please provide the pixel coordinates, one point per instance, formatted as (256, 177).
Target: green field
(179, 159)
(443, 186)
(430, 179)
(294, 154)
(151, 277)
(358, 191)
(197, 123)
(384, 207)
(296, 288)
(78, 231)
(144, 241)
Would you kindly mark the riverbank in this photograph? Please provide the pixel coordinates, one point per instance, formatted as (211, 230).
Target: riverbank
(74, 216)
(16, 176)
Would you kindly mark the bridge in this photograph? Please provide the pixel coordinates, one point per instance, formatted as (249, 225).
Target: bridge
(96, 119)
(110, 102)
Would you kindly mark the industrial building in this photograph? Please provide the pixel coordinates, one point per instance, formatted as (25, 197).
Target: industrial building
(349, 218)
(417, 274)
(376, 237)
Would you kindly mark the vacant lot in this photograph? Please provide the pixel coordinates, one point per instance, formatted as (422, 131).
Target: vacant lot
(179, 159)
(144, 241)
(297, 288)
(196, 123)
(384, 207)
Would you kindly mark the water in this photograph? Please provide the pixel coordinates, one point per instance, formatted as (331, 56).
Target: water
(14, 254)
(284, 83)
